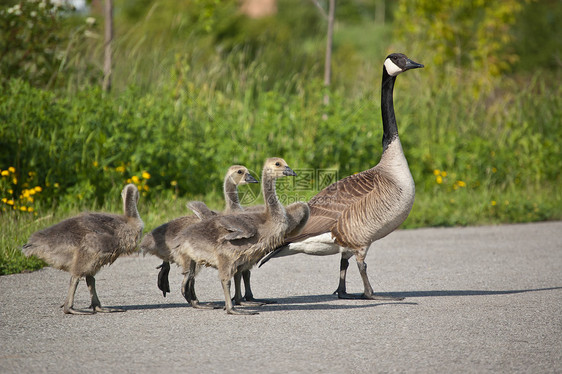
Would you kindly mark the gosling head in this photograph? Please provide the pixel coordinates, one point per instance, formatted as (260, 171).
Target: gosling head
(130, 193)
(397, 63)
(239, 175)
(277, 168)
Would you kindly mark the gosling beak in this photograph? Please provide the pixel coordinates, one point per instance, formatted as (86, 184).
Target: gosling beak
(412, 65)
(250, 179)
(289, 172)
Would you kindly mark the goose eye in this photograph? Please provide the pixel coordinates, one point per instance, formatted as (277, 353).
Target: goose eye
(239, 171)
(277, 164)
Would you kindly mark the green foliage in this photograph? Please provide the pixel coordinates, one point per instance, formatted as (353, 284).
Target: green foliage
(37, 42)
(467, 34)
(537, 41)
(200, 87)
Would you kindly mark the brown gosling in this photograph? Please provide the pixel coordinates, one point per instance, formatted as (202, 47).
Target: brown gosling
(349, 215)
(237, 241)
(83, 244)
(160, 240)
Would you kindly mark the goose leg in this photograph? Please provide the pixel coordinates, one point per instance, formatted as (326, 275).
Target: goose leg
(68, 306)
(96, 305)
(248, 295)
(228, 301)
(344, 264)
(238, 299)
(368, 290)
(237, 289)
(185, 288)
(188, 289)
(163, 283)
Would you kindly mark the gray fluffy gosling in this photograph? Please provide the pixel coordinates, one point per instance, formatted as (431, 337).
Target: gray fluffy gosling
(83, 244)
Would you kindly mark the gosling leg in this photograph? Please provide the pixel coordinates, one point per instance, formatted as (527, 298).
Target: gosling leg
(96, 305)
(68, 306)
(228, 301)
(249, 296)
(188, 289)
(163, 282)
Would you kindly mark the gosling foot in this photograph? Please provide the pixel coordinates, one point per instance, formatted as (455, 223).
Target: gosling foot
(100, 309)
(380, 297)
(71, 310)
(239, 312)
(197, 305)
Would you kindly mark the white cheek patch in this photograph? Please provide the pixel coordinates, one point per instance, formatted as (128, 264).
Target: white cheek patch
(391, 68)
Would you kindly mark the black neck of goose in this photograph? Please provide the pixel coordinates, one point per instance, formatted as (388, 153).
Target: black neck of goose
(272, 205)
(231, 195)
(390, 128)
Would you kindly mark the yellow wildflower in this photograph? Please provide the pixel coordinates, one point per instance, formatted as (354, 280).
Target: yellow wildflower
(15, 180)
(23, 208)
(439, 180)
(145, 175)
(494, 202)
(494, 170)
(120, 169)
(95, 164)
(39, 189)
(461, 184)
(174, 183)
(12, 169)
(443, 174)
(436, 172)
(5, 173)
(135, 179)
(145, 187)
(129, 180)
(4, 200)
(10, 202)
(30, 209)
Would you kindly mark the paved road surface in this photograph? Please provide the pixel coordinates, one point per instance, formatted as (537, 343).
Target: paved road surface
(486, 299)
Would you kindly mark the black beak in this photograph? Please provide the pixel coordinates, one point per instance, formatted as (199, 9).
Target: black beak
(289, 172)
(412, 65)
(250, 179)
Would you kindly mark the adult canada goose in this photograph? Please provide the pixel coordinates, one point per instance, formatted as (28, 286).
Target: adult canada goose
(81, 245)
(349, 215)
(235, 242)
(160, 240)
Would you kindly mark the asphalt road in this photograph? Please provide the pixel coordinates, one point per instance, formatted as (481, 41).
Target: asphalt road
(486, 299)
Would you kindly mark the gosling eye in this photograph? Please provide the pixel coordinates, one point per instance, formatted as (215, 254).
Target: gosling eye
(239, 171)
(277, 164)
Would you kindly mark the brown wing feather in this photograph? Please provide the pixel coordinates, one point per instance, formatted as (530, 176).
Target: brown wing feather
(328, 205)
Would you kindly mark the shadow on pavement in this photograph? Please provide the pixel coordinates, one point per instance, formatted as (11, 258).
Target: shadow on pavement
(326, 302)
